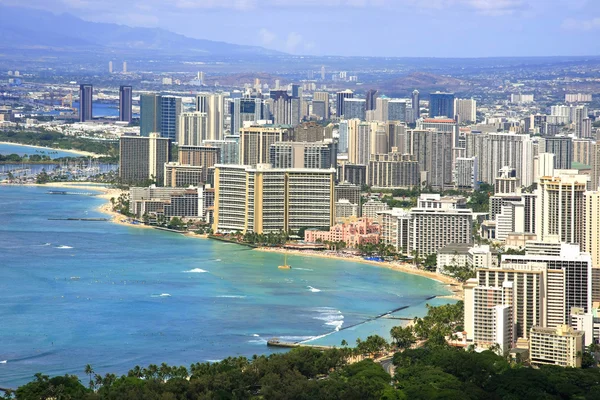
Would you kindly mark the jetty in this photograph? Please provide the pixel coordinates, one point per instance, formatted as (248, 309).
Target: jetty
(278, 343)
(65, 193)
(79, 219)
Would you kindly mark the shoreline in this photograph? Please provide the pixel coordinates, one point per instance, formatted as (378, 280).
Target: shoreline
(454, 286)
(78, 152)
(106, 193)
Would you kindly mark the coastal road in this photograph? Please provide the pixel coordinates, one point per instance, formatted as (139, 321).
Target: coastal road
(387, 365)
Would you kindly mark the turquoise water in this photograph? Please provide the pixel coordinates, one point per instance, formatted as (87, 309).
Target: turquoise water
(27, 150)
(73, 293)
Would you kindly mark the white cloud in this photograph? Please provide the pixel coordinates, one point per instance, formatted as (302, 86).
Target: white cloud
(572, 24)
(266, 36)
(294, 40)
(496, 7)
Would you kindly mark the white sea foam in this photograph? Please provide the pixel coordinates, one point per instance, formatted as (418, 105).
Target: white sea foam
(303, 269)
(3, 362)
(331, 316)
(214, 361)
(161, 295)
(63, 247)
(314, 290)
(195, 271)
(256, 335)
(294, 339)
(218, 260)
(232, 296)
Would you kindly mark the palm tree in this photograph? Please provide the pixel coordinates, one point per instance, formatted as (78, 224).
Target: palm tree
(89, 371)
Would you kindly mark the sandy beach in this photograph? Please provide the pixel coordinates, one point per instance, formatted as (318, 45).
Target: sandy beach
(79, 152)
(453, 285)
(108, 193)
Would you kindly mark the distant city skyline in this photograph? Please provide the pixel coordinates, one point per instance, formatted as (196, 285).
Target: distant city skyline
(437, 28)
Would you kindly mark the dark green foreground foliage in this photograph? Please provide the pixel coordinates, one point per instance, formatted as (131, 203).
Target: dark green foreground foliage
(302, 373)
(440, 372)
(431, 372)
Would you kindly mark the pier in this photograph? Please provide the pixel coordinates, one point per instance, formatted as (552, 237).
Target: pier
(80, 219)
(278, 343)
(65, 193)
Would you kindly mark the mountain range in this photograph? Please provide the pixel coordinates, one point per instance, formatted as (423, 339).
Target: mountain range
(26, 28)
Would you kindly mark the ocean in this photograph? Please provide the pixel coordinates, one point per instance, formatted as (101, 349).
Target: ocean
(7, 148)
(73, 293)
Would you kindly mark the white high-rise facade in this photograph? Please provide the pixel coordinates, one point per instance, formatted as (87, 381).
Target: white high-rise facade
(466, 110)
(192, 128)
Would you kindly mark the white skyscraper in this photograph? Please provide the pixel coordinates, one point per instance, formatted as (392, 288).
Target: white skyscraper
(466, 110)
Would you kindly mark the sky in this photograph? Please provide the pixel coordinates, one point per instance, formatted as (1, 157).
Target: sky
(387, 28)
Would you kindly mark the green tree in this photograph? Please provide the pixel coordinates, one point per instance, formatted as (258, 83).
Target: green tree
(403, 337)
(89, 371)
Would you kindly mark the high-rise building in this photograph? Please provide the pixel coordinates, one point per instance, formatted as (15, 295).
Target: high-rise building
(521, 98)
(489, 315)
(396, 110)
(340, 96)
(591, 226)
(381, 109)
(497, 150)
(343, 136)
(433, 150)
(200, 156)
(561, 147)
(125, 103)
(567, 279)
(124, 67)
(415, 105)
(170, 109)
(295, 90)
(179, 175)
(583, 151)
(393, 170)
(578, 97)
(465, 173)
(352, 173)
(192, 128)
(150, 113)
(560, 346)
(143, 158)
(560, 207)
(213, 104)
(256, 141)
(322, 97)
(110, 67)
(465, 110)
(371, 96)
(355, 108)
(263, 199)
(441, 105)
(85, 102)
(319, 155)
(436, 223)
(245, 109)
(230, 150)
(286, 109)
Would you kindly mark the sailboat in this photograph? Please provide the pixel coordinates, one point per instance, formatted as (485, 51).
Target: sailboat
(285, 264)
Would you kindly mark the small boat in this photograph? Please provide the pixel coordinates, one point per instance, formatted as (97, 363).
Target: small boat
(285, 264)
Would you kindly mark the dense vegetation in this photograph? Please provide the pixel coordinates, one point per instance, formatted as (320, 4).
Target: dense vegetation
(434, 370)
(59, 141)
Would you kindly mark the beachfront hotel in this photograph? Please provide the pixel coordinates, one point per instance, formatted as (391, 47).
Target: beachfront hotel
(354, 232)
(143, 158)
(264, 199)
